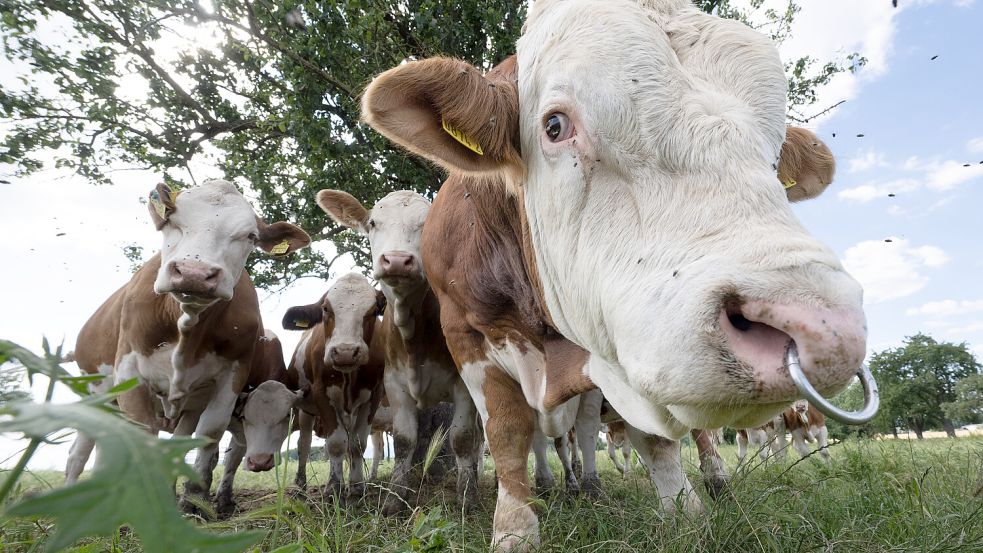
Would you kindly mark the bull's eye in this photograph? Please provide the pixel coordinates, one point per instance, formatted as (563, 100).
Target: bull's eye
(558, 127)
(253, 237)
(371, 223)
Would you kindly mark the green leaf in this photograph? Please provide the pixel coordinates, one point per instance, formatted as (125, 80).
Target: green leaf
(132, 482)
(47, 365)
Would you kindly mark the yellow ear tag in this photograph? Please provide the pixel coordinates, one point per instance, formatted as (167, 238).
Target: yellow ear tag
(158, 205)
(467, 141)
(301, 324)
(281, 248)
(789, 183)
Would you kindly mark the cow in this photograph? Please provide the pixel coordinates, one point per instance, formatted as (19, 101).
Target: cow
(419, 369)
(189, 319)
(806, 424)
(258, 428)
(767, 440)
(614, 435)
(382, 424)
(612, 218)
(341, 358)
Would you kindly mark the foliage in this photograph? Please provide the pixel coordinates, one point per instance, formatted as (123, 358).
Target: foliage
(429, 533)
(267, 91)
(131, 484)
(968, 403)
(917, 378)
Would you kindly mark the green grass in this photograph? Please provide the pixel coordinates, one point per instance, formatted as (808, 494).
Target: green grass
(876, 496)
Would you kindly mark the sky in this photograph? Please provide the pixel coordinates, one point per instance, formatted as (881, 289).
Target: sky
(917, 253)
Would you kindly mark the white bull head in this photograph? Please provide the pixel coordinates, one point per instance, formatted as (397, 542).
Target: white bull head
(266, 422)
(643, 139)
(209, 231)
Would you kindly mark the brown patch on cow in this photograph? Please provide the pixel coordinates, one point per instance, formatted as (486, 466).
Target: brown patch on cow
(806, 165)
(343, 208)
(565, 378)
(509, 430)
(411, 103)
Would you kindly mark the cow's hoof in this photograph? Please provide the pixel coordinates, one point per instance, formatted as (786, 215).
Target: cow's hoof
(591, 486)
(572, 487)
(545, 485)
(194, 505)
(716, 486)
(225, 509)
(393, 506)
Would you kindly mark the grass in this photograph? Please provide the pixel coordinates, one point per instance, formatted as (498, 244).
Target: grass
(876, 496)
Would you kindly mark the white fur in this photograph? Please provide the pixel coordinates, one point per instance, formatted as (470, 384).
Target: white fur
(351, 297)
(665, 199)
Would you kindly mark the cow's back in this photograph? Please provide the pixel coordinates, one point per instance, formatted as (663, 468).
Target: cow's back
(96, 343)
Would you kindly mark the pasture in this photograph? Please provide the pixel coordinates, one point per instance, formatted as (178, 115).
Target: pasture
(876, 496)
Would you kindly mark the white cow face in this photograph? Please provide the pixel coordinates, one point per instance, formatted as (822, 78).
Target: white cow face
(348, 312)
(266, 421)
(394, 227)
(643, 139)
(208, 232)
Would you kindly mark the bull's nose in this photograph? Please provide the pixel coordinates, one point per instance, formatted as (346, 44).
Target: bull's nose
(344, 354)
(398, 264)
(832, 343)
(193, 277)
(260, 462)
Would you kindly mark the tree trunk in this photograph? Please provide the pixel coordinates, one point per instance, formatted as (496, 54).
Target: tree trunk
(950, 429)
(917, 429)
(894, 430)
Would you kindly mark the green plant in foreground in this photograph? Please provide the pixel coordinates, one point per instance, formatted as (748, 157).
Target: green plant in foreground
(132, 482)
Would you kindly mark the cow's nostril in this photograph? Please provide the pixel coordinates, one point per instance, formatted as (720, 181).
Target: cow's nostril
(735, 315)
(212, 275)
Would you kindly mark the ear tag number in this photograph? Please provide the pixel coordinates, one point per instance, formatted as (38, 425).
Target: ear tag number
(789, 183)
(280, 249)
(158, 205)
(301, 324)
(465, 140)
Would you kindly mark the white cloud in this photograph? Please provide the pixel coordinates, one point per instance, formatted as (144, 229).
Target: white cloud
(867, 161)
(947, 308)
(949, 174)
(869, 192)
(975, 146)
(891, 270)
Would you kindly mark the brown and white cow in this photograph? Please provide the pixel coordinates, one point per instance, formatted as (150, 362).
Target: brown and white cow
(614, 435)
(613, 193)
(419, 369)
(258, 426)
(806, 425)
(341, 358)
(767, 440)
(189, 320)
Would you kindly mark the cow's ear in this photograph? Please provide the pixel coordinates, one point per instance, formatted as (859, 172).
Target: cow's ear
(344, 209)
(445, 110)
(806, 165)
(281, 237)
(303, 317)
(161, 203)
(380, 303)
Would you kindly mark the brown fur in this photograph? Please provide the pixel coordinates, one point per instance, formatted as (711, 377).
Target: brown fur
(407, 103)
(793, 422)
(807, 162)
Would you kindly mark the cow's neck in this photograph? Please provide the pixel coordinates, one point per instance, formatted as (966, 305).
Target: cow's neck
(406, 304)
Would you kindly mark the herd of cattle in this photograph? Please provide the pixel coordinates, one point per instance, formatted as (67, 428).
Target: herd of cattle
(613, 245)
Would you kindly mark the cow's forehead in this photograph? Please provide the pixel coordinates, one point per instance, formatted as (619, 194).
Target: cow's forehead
(351, 291)
(271, 400)
(403, 206)
(215, 198)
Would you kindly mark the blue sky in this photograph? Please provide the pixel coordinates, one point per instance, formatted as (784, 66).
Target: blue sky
(921, 120)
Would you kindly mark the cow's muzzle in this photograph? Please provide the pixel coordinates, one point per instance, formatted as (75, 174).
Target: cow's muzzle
(871, 397)
(260, 462)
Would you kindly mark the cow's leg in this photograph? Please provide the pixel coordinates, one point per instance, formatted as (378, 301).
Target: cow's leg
(711, 464)
(562, 445)
(542, 473)
(760, 441)
(613, 454)
(822, 440)
(335, 449)
(666, 469)
(305, 422)
(405, 429)
(224, 502)
(211, 425)
(378, 452)
(466, 441)
(587, 426)
(509, 427)
(575, 464)
(356, 449)
(779, 445)
(742, 442)
(799, 442)
(77, 457)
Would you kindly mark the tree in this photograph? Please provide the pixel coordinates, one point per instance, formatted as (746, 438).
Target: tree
(267, 91)
(968, 404)
(918, 378)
